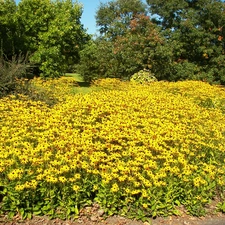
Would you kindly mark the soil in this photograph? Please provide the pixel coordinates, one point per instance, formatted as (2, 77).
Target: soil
(95, 216)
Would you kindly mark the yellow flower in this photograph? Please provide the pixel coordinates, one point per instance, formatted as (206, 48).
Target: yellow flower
(95, 187)
(19, 187)
(62, 179)
(114, 188)
(144, 193)
(72, 179)
(15, 174)
(145, 205)
(168, 133)
(134, 192)
(76, 188)
(51, 179)
(77, 176)
(122, 178)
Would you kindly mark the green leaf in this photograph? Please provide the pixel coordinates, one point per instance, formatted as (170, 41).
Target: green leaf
(11, 214)
(177, 202)
(76, 210)
(22, 212)
(176, 212)
(29, 215)
(46, 208)
(154, 214)
(68, 212)
(153, 207)
(38, 212)
(36, 208)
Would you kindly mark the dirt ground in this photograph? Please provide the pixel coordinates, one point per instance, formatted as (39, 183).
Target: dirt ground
(95, 216)
(117, 220)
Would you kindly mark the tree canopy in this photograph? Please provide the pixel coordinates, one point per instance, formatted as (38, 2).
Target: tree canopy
(113, 17)
(49, 30)
(8, 27)
(174, 39)
(124, 47)
(197, 30)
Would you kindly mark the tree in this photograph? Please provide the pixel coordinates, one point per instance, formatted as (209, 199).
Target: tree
(114, 17)
(53, 33)
(106, 56)
(195, 33)
(8, 28)
(88, 66)
(134, 50)
(123, 55)
(33, 17)
(169, 13)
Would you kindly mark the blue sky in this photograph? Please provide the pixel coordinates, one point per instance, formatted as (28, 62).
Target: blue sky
(88, 17)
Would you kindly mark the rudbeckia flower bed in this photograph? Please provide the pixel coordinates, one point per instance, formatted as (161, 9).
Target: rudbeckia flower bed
(137, 150)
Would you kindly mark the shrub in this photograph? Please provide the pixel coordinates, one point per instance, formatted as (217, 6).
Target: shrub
(10, 72)
(143, 77)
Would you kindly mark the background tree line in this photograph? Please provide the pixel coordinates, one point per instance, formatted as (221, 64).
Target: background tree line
(174, 39)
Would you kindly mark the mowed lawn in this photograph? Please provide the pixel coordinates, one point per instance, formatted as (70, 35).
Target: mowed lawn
(83, 87)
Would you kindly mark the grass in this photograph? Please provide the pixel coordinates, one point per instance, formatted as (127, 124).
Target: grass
(83, 87)
(76, 76)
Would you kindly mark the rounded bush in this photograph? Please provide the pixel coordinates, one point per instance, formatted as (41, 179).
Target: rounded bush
(143, 76)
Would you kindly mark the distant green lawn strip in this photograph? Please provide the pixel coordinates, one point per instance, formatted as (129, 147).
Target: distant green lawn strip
(76, 76)
(84, 87)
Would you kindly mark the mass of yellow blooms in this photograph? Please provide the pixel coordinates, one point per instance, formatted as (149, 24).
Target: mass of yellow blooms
(150, 146)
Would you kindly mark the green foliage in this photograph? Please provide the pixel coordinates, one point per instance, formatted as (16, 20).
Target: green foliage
(135, 49)
(168, 13)
(143, 77)
(53, 33)
(8, 29)
(195, 35)
(186, 42)
(50, 31)
(124, 55)
(89, 64)
(31, 25)
(59, 202)
(221, 207)
(114, 17)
